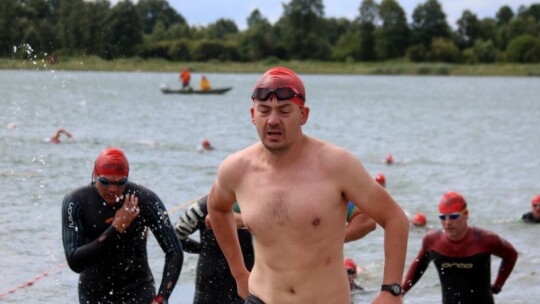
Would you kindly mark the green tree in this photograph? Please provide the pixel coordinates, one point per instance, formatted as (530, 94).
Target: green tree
(153, 11)
(504, 15)
(259, 40)
(468, 29)
(392, 37)
(221, 29)
(524, 49)
(367, 19)
(123, 31)
(302, 29)
(429, 22)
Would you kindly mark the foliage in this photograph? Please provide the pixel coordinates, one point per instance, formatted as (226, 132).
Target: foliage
(153, 29)
(524, 49)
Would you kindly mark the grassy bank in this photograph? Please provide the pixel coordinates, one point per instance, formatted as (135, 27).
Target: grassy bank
(94, 63)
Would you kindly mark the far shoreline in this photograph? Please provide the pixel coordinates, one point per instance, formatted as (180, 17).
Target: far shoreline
(94, 63)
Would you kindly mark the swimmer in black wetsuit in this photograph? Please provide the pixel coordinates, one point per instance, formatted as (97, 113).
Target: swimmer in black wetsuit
(214, 283)
(462, 255)
(534, 215)
(104, 231)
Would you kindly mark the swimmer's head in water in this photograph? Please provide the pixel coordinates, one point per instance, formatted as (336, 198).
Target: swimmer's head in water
(349, 264)
(452, 202)
(281, 78)
(111, 161)
(535, 200)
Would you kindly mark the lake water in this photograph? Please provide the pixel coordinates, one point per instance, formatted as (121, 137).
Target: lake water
(475, 135)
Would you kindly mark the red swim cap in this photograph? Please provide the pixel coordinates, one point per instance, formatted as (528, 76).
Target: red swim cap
(350, 264)
(452, 202)
(380, 179)
(282, 77)
(535, 200)
(419, 220)
(111, 161)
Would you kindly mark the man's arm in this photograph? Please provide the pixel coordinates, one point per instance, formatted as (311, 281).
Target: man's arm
(189, 222)
(358, 226)
(164, 232)
(79, 255)
(509, 256)
(416, 270)
(371, 198)
(220, 204)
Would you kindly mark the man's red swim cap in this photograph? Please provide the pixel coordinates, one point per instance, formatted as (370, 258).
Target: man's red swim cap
(282, 77)
(111, 161)
(535, 200)
(350, 264)
(452, 202)
(419, 220)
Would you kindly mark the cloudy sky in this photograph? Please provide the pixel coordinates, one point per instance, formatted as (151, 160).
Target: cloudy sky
(202, 12)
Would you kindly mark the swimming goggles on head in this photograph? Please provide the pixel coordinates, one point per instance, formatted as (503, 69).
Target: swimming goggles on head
(452, 216)
(106, 182)
(283, 93)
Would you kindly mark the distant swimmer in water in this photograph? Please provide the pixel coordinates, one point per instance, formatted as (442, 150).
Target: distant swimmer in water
(55, 139)
(389, 159)
(462, 256)
(352, 273)
(105, 227)
(534, 215)
(205, 146)
(379, 178)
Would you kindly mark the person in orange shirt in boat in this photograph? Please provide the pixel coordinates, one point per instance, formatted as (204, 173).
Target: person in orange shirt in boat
(55, 139)
(185, 78)
(204, 84)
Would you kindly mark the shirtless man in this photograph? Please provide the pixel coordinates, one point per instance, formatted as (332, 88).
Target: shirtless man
(293, 191)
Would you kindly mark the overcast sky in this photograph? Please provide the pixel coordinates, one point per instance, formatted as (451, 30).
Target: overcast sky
(202, 12)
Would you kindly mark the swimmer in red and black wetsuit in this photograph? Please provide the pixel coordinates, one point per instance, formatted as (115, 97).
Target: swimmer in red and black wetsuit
(214, 282)
(104, 230)
(534, 215)
(462, 255)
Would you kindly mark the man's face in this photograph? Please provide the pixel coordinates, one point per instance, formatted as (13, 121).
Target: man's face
(278, 122)
(455, 224)
(536, 210)
(111, 188)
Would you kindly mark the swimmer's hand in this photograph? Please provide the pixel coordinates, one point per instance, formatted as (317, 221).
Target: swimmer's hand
(242, 284)
(127, 213)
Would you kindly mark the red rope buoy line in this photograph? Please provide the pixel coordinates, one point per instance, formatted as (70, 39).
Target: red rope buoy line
(31, 282)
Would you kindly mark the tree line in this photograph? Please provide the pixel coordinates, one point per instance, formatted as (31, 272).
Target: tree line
(380, 32)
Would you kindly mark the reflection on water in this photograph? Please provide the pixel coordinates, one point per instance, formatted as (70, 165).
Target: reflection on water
(474, 135)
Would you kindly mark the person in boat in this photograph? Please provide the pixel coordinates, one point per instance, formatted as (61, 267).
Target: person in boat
(104, 231)
(185, 78)
(214, 282)
(293, 191)
(55, 139)
(462, 256)
(534, 215)
(204, 84)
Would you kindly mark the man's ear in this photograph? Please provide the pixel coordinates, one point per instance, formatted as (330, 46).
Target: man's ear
(305, 115)
(252, 111)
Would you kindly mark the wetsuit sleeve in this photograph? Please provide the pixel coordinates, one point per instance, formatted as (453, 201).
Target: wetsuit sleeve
(188, 223)
(80, 256)
(509, 256)
(163, 230)
(417, 268)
